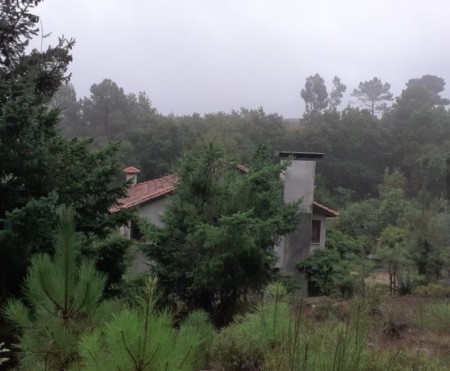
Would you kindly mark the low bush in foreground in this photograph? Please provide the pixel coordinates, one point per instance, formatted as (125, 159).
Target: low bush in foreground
(141, 338)
(282, 335)
(246, 342)
(63, 301)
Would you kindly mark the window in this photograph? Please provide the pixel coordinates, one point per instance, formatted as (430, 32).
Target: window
(135, 233)
(316, 229)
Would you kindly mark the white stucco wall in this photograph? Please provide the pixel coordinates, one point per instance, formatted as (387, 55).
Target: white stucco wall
(323, 232)
(154, 209)
(279, 248)
(152, 212)
(298, 181)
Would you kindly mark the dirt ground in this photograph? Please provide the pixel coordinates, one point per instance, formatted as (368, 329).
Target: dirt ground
(378, 277)
(418, 332)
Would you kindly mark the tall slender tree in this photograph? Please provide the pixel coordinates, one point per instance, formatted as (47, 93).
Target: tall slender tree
(315, 95)
(336, 94)
(373, 94)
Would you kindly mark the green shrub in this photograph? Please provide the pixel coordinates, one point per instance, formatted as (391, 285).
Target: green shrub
(407, 282)
(247, 340)
(441, 312)
(275, 337)
(291, 283)
(140, 338)
(198, 323)
(329, 273)
(131, 284)
(343, 243)
(321, 271)
(64, 300)
(329, 344)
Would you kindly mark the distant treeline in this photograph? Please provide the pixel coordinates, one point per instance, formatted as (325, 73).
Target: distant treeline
(410, 132)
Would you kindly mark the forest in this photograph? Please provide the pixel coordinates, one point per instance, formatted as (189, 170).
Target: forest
(68, 300)
(385, 166)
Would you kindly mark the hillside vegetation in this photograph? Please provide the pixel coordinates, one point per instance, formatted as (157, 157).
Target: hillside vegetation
(68, 300)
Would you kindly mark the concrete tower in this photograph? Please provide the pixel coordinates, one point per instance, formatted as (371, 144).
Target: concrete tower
(298, 185)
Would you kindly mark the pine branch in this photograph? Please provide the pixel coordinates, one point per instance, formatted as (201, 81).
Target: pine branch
(136, 364)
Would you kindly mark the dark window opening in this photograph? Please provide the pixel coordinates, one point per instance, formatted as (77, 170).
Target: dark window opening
(316, 227)
(135, 232)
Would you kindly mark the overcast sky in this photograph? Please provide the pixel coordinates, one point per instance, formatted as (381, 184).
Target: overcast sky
(217, 55)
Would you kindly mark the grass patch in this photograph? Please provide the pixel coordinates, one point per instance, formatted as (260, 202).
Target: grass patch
(433, 290)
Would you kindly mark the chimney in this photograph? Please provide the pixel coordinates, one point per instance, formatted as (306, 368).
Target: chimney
(298, 181)
(131, 173)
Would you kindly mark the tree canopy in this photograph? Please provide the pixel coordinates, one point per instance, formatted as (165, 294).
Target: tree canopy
(372, 93)
(220, 229)
(316, 96)
(41, 169)
(423, 93)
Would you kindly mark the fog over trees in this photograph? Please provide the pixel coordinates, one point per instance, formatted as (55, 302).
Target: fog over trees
(215, 57)
(214, 297)
(360, 140)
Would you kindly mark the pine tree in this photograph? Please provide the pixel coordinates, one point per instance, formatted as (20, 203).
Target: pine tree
(64, 296)
(140, 338)
(219, 230)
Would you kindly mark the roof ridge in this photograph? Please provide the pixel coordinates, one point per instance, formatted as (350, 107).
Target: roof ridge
(155, 188)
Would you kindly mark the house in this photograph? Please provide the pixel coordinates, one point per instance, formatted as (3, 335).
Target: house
(298, 181)
(150, 199)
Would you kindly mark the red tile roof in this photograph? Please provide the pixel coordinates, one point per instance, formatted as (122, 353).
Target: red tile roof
(326, 210)
(142, 192)
(146, 191)
(152, 189)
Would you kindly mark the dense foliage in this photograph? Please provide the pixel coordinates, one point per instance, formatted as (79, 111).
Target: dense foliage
(411, 135)
(63, 296)
(65, 323)
(40, 169)
(386, 170)
(219, 230)
(142, 338)
(385, 163)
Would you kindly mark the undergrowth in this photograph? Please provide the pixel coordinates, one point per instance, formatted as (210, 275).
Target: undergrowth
(142, 338)
(283, 335)
(433, 290)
